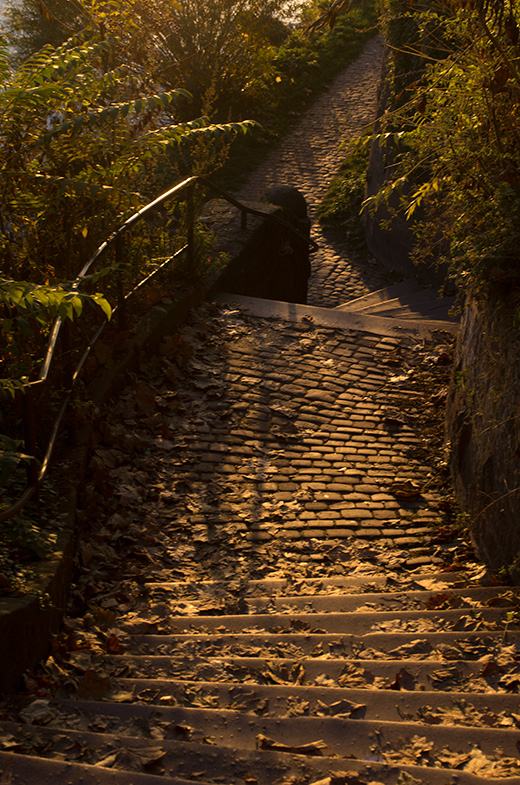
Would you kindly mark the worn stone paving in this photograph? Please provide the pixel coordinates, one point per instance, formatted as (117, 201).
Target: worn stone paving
(293, 432)
(310, 157)
(271, 587)
(268, 590)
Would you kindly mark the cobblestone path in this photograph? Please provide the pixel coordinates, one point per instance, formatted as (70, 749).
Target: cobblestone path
(310, 157)
(271, 586)
(269, 590)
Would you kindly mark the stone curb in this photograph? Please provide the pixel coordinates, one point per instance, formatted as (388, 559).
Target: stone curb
(329, 317)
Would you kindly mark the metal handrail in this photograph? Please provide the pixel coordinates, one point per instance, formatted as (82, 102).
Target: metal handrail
(188, 185)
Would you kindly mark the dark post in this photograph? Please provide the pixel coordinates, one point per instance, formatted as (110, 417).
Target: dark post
(120, 254)
(29, 425)
(190, 219)
(66, 353)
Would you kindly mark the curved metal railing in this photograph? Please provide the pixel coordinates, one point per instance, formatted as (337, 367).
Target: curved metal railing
(186, 189)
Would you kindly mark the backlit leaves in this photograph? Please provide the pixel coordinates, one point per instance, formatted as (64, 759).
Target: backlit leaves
(43, 302)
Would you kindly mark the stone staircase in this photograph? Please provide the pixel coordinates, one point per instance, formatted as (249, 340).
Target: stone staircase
(272, 589)
(341, 684)
(407, 299)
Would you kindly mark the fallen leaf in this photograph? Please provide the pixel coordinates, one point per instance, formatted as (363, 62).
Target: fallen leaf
(342, 708)
(405, 489)
(313, 748)
(345, 778)
(39, 712)
(114, 645)
(140, 758)
(94, 684)
(144, 395)
(108, 761)
(403, 681)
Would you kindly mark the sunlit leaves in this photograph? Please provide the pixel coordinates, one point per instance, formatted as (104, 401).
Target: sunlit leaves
(426, 189)
(24, 299)
(115, 112)
(456, 166)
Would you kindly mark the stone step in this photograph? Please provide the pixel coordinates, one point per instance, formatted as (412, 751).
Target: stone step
(435, 581)
(19, 769)
(234, 766)
(418, 621)
(338, 318)
(406, 288)
(437, 646)
(419, 306)
(344, 737)
(394, 309)
(369, 674)
(470, 598)
(406, 299)
(398, 704)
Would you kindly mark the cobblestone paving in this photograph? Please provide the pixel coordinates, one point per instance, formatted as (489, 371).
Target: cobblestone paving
(310, 157)
(284, 432)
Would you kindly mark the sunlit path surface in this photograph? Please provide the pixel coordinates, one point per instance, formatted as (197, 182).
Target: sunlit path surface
(310, 157)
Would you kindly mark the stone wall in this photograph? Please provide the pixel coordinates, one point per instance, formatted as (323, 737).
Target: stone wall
(483, 428)
(389, 236)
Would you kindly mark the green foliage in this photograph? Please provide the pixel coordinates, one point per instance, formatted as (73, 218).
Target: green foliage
(74, 159)
(24, 301)
(11, 456)
(341, 207)
(22, 543)
(457, 161)
(32, 24)
(219, 51)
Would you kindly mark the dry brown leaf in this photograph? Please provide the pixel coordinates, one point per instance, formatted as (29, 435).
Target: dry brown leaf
(403, 681)
(144, 395)
(94, 684)
(140, 758)
(313, 748)
(341, 708)
(405, 489)
(39, 712)
(345, 778)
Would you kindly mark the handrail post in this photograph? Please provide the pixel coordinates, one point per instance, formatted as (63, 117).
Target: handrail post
(120, 252)
(29, 424)
(190, 234)
(66, 343)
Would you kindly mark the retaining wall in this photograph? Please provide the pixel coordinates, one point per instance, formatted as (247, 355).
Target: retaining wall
(483, 430)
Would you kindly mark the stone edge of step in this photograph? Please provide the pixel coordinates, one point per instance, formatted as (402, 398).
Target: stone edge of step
(25, 770)
(330, 317)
